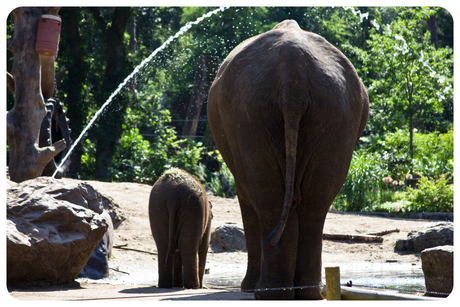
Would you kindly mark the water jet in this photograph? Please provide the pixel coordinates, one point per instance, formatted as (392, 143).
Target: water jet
(182, 30)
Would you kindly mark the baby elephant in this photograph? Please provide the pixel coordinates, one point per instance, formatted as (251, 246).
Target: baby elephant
(180, 219)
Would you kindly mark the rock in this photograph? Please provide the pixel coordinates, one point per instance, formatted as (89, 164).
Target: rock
(53, 226)
(429, 235)
(228, 238)
(437, 266)
(97, 266)
(82, 194)
(225, 186)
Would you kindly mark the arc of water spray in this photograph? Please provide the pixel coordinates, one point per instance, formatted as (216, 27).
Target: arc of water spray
(135, 71)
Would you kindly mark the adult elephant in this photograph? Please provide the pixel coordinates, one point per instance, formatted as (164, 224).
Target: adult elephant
(286, 110)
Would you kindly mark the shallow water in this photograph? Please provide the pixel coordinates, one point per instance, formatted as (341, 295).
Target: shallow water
(401, 276)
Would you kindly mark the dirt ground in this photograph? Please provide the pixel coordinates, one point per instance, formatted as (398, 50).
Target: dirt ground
(133, 272)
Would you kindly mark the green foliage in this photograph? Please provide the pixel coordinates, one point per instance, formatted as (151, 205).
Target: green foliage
(344, 26)
(130, 161)
(433, 152)
(88, 159)
(216, 185)
(185, 154)
(363, 183)
(219, 34)
(336, 28)
(432, 195)
(400, 206)
(213, 182)
(139, 160)
(376, 176)
(407, 78)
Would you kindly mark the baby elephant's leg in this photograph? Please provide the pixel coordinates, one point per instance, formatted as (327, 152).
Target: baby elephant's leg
(178, 282)
(190, 268)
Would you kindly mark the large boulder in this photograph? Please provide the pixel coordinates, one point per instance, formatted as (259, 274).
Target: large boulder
(227, 238)
(429, 235)
(97, 266)
(53, 227)
(438, 268)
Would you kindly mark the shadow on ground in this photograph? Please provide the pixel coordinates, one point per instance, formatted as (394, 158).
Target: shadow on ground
(182, 294)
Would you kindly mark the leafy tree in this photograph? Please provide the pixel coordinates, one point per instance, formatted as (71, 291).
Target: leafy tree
(112, 23)
(219, 34)
(444, 22)
(149, 144)
(408, 79)
(74, 85)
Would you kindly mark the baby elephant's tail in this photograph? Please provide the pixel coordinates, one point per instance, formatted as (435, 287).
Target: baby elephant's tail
(171, 233)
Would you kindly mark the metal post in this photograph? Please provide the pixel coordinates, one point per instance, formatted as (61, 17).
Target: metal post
(333, 283)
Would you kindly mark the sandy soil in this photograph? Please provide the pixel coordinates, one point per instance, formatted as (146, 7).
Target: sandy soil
(134, 273)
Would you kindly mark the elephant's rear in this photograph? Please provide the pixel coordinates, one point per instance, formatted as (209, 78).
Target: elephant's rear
(286, 111)
(278, 84)
(180, 220)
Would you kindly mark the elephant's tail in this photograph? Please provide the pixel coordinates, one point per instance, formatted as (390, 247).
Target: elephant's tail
(171, 232)
(291, 128)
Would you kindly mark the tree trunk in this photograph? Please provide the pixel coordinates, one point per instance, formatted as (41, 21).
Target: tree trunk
(73, 83)
(132, 35)
(47, 75)
(433, 28)
(109, 128)
(212, 66)
(27, 159)
(411, 135)
(196, 101)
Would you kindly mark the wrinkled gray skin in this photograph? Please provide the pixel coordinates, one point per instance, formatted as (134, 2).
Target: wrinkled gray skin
(180, 220)
(286, 111)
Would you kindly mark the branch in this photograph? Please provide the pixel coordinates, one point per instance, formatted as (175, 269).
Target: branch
(45, 154)
(361, 238)
(133, 249)
(385, 232)
(51, 10)
(60, 75)
(118, 270)
(121, 15)
(98, 18)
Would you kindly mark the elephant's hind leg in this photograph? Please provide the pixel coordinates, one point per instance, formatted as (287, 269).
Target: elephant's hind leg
(308, 262)
(190, 269)
(203, 252)
(278, 262)
(252, 235)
